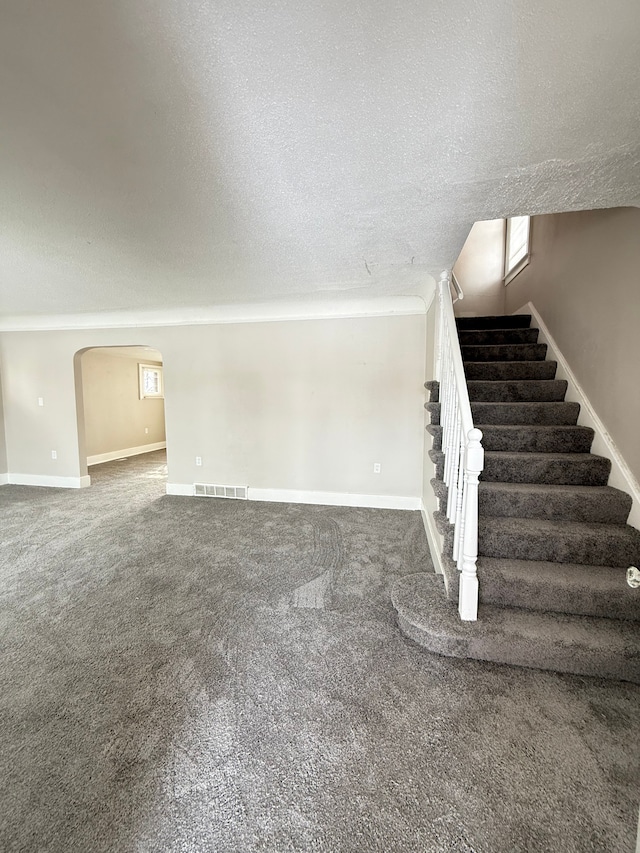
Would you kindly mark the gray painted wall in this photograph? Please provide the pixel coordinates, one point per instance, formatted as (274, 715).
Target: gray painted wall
(307, 405)
(479, 270)
(584, 279)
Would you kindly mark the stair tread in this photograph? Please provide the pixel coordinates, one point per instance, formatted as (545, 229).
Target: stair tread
(517, 390)
(551, 527)
(525, 438)
(489, 337)
(487, 321)
(525, 567)
(506, 466)
(544, 488)
(503, 352)
(540, 488)
(558, 540)
(586, 645)
(525, 413)
(535, 427)
(598, 504)
(524, 456)
(575, 588)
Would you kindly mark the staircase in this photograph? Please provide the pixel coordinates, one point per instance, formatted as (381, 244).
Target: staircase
(553, 543)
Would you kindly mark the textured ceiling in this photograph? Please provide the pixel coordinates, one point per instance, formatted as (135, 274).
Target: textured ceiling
(168, 154)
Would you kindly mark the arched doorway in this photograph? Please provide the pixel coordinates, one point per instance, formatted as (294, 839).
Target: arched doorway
(120, 411)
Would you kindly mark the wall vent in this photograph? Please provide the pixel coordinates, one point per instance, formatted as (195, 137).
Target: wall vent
(208, 490)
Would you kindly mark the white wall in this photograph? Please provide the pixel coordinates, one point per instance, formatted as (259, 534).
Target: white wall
(115, 417)
(583, 279)
(479, 270)
(3, 445)
(305, 405)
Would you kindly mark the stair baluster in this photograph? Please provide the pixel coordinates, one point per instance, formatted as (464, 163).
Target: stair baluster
(463, 453)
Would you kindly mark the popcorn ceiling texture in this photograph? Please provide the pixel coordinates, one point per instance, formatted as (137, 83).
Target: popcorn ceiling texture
(179, 154)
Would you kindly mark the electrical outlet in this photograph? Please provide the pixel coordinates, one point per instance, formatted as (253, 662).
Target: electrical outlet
(41, 401)
(146, 430)
(198, 460)
(376, 467)
(54, 454)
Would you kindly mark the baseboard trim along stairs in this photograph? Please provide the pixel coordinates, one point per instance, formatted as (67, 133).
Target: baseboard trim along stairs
(553, 539)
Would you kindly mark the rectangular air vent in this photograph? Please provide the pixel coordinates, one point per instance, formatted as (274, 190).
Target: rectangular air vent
(208, 490)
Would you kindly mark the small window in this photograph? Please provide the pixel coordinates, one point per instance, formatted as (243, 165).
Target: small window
(516, 255)
(150, 381)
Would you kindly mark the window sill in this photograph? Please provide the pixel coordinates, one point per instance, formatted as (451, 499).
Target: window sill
(516, 270)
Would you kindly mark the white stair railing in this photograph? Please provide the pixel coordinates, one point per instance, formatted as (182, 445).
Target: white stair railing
(462, 448)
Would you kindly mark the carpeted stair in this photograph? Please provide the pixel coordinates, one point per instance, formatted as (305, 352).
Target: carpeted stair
(553, 541)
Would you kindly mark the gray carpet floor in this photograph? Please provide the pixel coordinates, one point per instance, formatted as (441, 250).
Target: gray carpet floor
(183, 674)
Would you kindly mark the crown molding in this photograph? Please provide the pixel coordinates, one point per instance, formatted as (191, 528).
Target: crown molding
(265, 312)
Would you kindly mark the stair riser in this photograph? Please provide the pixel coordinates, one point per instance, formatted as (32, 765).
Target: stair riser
(590, 471)
(540, 414)
(497, 337)
(555, 507)
(507, 352)
(598, 591)
(509, 321)
(523, 439)
(517, 414)
(611, 603)
(597, 549)
(530, 391)
(497, 371)
(610, 507)
(583, 471)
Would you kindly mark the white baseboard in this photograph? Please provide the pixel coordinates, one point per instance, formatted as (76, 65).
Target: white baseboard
(99, 458)
(180, 489)
(4, 479)
(621, 476)
(44, 480)
(295, 496)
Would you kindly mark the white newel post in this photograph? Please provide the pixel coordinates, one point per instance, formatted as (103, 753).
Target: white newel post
(473, 465)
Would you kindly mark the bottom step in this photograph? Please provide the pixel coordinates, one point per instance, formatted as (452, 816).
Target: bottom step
(583, 645)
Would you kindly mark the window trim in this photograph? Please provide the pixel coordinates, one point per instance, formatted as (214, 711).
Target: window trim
(510, 274)
(141, 369)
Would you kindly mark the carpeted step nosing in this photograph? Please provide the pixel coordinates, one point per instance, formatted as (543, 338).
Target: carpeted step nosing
(580, 589)
(606, 648)
(595, 504)
(578, 469)
(509, 370)
(517, 391)
(524, 438)
(490, 337)
(516, 413)
(558, 541)
(502, 321)
(504, 352)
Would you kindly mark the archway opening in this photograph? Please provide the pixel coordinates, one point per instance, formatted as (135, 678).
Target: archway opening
(120, 412)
